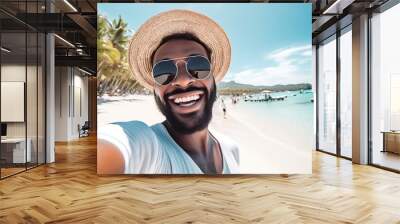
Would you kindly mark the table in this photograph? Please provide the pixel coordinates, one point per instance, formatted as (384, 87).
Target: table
(391, 141)
(17, 150)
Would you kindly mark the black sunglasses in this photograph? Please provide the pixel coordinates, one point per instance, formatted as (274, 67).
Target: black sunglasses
(165, 71)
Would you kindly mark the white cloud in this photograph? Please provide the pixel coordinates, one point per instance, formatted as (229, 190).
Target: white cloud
(286, 69)
(281, 55)
(307, 53)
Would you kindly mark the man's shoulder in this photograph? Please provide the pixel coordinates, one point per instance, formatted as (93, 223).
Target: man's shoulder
(130, 124)
(131, 129)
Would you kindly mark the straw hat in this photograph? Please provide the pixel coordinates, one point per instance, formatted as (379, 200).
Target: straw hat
(149, 36)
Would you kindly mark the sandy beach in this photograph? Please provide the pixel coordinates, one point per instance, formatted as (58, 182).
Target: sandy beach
(260, 151)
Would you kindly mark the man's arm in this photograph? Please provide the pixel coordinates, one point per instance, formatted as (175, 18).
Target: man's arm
(109, 158)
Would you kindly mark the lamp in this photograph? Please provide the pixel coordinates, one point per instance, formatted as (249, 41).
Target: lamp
(5, 50)
(70, 5)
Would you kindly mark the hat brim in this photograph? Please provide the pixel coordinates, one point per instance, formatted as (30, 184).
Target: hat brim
(148, 37)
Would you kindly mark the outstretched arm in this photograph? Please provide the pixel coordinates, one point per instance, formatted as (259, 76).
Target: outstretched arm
(109, 158)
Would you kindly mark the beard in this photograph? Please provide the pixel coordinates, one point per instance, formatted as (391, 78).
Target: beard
(191, 122)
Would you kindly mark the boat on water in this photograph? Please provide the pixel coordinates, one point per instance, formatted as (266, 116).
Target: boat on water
(263, 97)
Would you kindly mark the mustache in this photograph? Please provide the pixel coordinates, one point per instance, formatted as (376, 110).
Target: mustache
(188, 89)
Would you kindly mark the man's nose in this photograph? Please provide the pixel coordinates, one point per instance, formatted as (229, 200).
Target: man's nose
(184, 78)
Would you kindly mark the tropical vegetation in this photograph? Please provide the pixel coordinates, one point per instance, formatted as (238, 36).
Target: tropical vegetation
(234, 88)
(113, 74)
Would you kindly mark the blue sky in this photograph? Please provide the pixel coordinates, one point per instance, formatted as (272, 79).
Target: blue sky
(271, 43)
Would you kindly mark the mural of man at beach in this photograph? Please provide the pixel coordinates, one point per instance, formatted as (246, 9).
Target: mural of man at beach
(192, 89)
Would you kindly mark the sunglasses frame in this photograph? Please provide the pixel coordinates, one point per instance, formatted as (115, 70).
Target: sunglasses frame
(177, 69)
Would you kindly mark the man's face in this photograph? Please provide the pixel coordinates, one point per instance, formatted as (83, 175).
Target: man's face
(172, 99)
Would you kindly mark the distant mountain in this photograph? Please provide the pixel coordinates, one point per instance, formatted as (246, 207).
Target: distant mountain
(233, 87)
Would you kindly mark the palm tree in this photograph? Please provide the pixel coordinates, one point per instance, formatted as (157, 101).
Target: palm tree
(113, 73)
(119, 36)
(107, 55)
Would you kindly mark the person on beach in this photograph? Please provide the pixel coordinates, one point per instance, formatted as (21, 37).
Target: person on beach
(179, 55)
(223, 107)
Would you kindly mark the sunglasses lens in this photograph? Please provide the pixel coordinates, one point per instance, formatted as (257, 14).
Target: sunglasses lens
(198, 67)
(164, 72)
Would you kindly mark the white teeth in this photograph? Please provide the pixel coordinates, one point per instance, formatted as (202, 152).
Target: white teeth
(186, 99)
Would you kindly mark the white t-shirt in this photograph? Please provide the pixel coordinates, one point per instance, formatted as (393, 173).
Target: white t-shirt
(151, 150)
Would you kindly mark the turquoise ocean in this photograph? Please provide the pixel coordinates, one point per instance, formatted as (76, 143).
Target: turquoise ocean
(290, 120)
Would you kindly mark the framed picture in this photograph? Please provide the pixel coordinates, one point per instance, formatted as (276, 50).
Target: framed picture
(205, 88)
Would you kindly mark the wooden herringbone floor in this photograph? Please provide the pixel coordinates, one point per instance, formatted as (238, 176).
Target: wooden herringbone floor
(70, 191)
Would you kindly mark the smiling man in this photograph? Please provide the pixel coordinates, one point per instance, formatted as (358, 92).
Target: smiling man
(179, 55)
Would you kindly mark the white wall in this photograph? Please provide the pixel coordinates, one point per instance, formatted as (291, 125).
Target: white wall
(12, 101)
(12, 73)
(33, 126)
(16, 73)
(80, 110)
(71, 87)
(62, 81)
